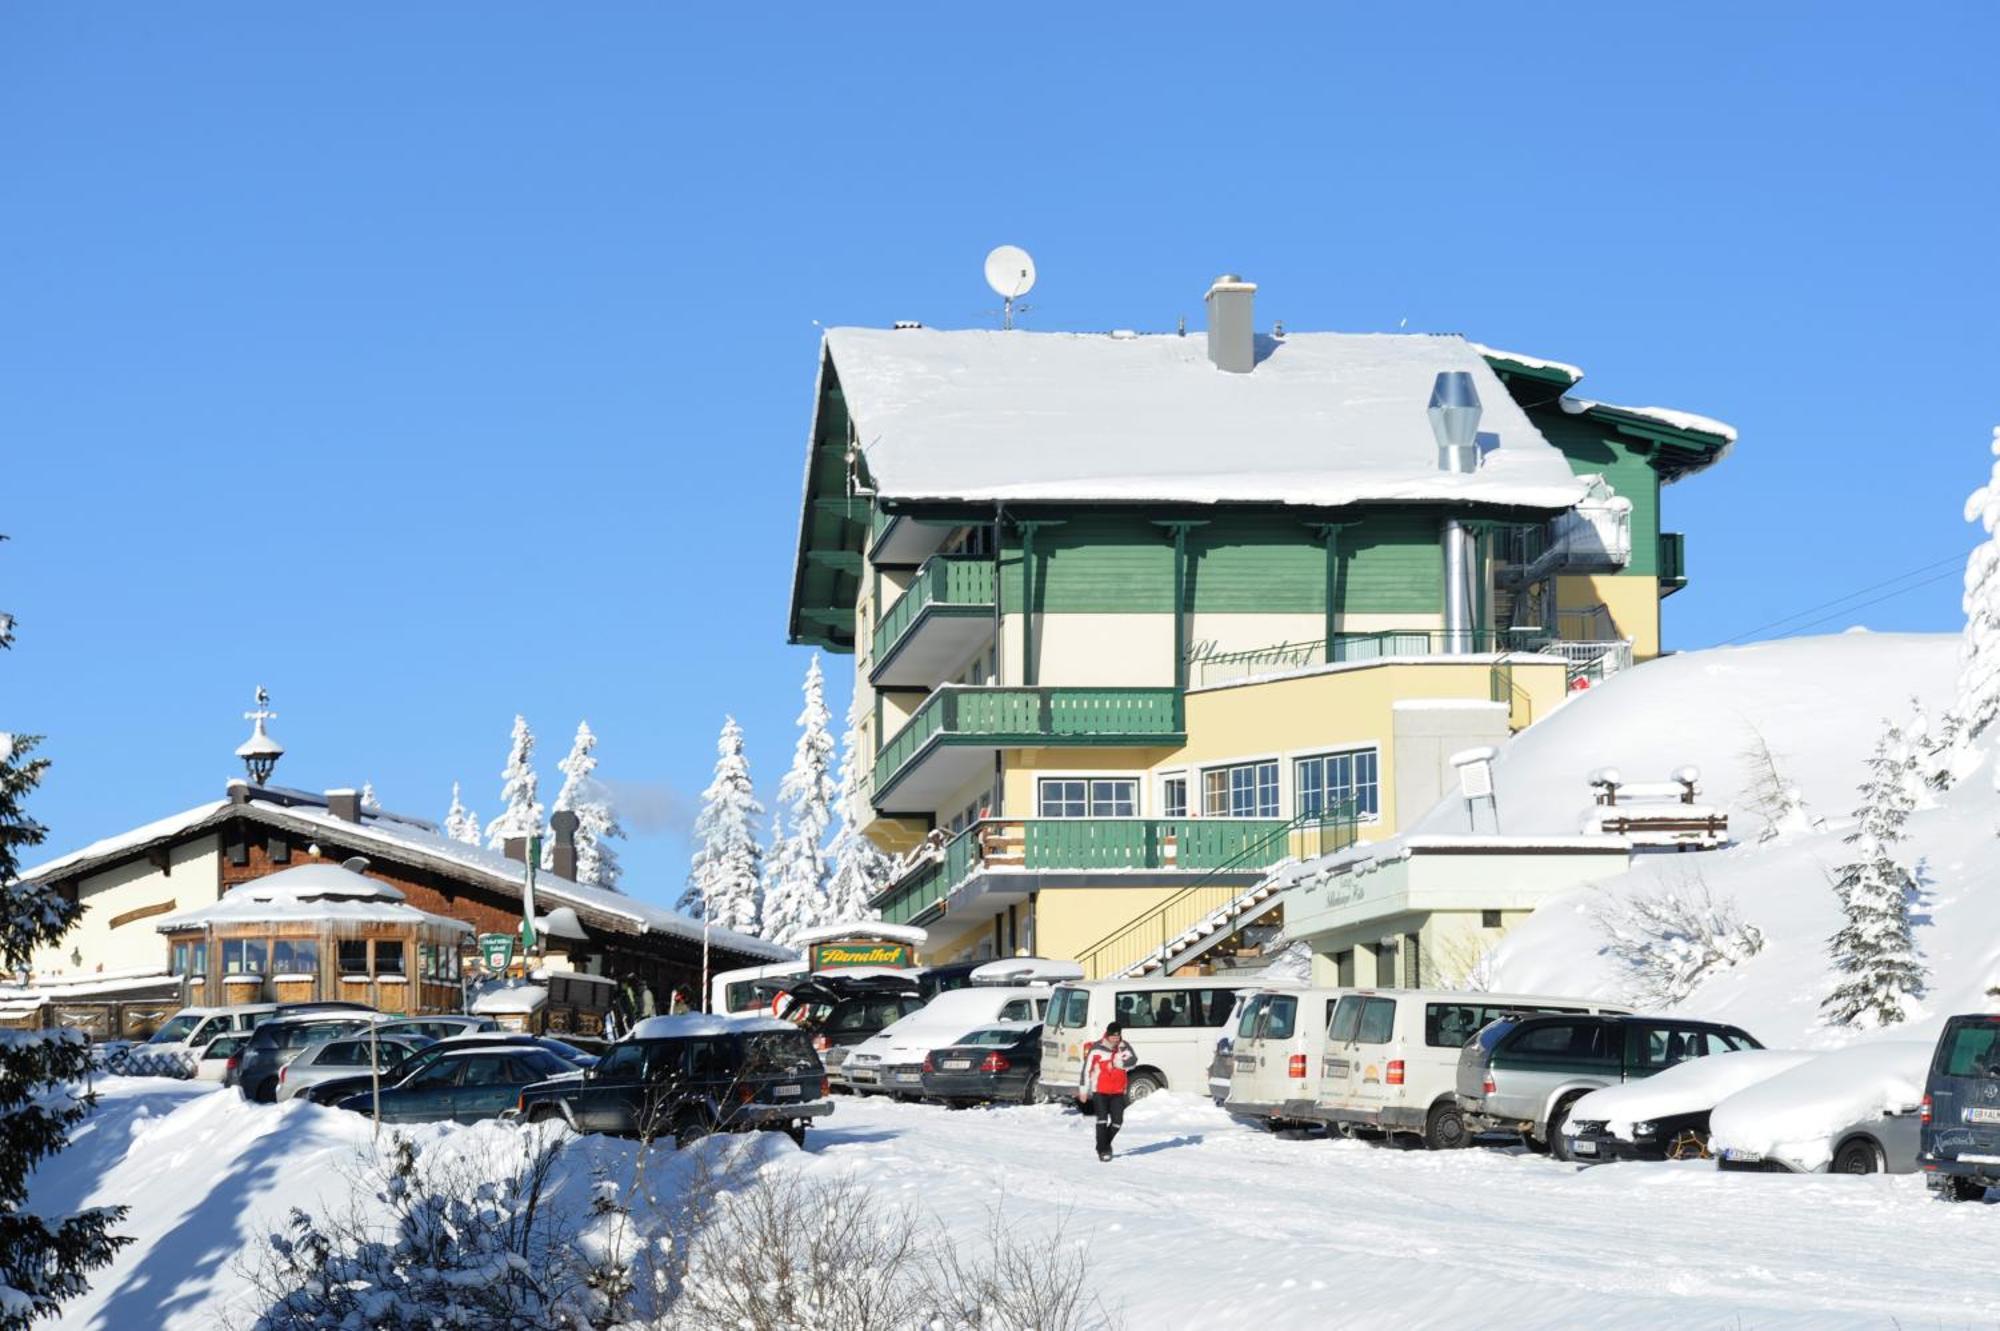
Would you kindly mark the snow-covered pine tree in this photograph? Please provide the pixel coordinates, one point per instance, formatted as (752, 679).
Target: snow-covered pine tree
(728, 867)
(1979, 652)
(43, 1259)
(795, 898)
(1925, 768)
(368, 796)
(521, 807)
(596, 823)
(860, 868)
(1874, 949)
(461, 823)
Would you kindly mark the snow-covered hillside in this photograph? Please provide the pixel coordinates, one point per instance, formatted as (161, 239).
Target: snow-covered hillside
(1819, 705)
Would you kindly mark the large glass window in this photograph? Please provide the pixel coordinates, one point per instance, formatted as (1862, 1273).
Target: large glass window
(353, 956)
(243, 956)
(1173, 797)
(1089, 797)
(1324, 783)
(295, 956)
(1246, 790)
(389, 956)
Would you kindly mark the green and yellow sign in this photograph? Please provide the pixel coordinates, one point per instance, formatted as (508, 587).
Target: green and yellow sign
(834, 956)
(496, 950)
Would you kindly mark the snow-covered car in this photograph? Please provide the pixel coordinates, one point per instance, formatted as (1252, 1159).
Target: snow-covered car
(1666, 1117)
(892, 1060)
(1853, 1111)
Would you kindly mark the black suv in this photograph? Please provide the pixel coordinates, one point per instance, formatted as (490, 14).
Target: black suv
(333, 1091)
(838, 1012)
(689, 1076)
(1959, 1146)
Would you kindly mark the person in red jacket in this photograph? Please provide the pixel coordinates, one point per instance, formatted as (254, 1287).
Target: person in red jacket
(1102, 1085)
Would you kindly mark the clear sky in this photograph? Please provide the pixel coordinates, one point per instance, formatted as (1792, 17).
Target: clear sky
(429, 363)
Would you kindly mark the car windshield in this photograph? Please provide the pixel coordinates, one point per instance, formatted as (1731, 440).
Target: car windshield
(1974, 1051)
(175, 1030)
(780, 1054)
(222, 1046)
(561, 1050)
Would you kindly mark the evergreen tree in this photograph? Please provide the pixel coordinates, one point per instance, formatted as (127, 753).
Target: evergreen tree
(796, 898)
(368, 797)
(521, 807)
(596, 823)
(1873, 949)
(860, 868)
(43, 1259)
(1979, 652)
(727, 872)
(461, 823)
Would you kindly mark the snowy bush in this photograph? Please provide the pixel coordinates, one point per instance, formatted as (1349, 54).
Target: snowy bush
(1773, 798)
(1673, 938)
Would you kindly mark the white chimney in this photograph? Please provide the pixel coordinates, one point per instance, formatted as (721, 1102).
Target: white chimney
(1231, 343)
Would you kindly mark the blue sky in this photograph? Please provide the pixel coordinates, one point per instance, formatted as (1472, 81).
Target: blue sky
(433, 363)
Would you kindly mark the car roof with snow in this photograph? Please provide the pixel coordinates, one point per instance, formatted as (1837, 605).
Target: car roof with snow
(686, 1025)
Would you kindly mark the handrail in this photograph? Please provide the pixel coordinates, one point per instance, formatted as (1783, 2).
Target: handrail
(961, 580)
(1159, 922)
(1111, 713)
(1349, 647)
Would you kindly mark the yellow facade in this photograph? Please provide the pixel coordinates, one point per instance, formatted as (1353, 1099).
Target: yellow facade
(1633, 601)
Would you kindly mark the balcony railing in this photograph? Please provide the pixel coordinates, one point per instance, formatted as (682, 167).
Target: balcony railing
(1022, 717)
(962, 582)
(1206, 846)
(1345, 648)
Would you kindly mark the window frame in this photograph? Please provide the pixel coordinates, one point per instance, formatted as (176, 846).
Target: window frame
(1255, 786)
(1319, 759)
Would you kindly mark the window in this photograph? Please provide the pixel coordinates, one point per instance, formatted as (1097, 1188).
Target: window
(1385, 964)
(177, 963)
(1346, 1019)
(1413, 961)
(1972, 1052)
(1247, 790)
(1019, 1009)
(625, 1060)
(1657, 1047)
(1173, 797)
(1324, 783)
(442, 1074)
(1077, 797)
(1378, 1021)
(487, 1070)
(1560, 1042)
(1069, 1008)
(388, 956)
(1251, 1012)
(295, 956)
(1182, 1009)
(1281, 1018)
(243, 956)
(1489, 919)
(353, 956)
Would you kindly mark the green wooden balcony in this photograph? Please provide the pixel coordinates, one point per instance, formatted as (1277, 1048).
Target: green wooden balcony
(1178, 849)
(952, 736)
(940, 620)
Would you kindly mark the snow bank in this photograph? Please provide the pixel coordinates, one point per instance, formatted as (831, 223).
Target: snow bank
(1794, 1115)
(1686, 1088)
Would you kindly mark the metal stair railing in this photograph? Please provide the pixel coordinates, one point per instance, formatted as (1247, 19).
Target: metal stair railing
(1304, 837)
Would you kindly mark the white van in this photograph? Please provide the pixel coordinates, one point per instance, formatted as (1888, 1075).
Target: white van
(892, 1059)
(749, 991)
(1391, 1058)
(1274, 1062)
(1171, 1024)
(187, 1033)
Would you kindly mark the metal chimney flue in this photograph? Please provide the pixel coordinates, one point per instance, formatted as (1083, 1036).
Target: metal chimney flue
(1232, 342)
(1454, 412)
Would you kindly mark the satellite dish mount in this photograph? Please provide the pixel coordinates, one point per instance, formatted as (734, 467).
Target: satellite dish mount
(1011, 273)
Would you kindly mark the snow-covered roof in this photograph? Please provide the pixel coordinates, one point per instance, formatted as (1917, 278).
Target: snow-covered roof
(322, 893)
(405, 841)
(829, 933)
(1671, 417)
(705, 1023)
(509, 996)
(1323, 419)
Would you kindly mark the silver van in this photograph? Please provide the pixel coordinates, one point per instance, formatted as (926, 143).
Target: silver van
(1392, 1055)
(1172, 1024)
(1275, 1058)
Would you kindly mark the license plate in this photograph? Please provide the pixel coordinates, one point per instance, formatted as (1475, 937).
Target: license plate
(1583, 1147)
(1334, 1067)
(1982, 1116)
(1978, 1159)
(957, 1064)
(1735, 1156)
(909, 1076)
(786, 1092)
(860, 1074)
(1246, 1063)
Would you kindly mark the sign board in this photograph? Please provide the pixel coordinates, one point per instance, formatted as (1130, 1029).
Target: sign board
(496, 951)
(835, 956)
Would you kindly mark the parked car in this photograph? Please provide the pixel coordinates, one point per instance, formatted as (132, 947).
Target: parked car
(346, 1057)
(1960, 1151)
(275, 1043)
(220, 1058)
(689, 1076)
(892, 1060)
(1853, 1111)
(1524, 1074)
(1275, 1055)
(464, 1085)
(174, 1049)
(1172, 1024)
(838, 1012)
(440, 1027)
(1666, 1116)
(1391, 1060)
(1002, 1061)
(751, 989)
(935, 980)
(1220, 1066)
(334, 1091)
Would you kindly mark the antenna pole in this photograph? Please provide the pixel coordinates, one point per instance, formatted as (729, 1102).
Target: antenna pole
(1006, 311)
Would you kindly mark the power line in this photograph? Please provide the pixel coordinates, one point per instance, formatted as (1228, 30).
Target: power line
(1955, 561)
(1886, 596)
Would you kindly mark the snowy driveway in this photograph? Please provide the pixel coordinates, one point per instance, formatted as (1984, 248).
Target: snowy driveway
(1200, 1222)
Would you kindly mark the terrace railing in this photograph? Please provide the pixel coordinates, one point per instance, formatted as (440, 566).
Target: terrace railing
(1031, 716)
(954, 580)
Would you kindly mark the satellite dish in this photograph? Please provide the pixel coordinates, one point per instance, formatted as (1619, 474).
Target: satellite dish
(1011, 273)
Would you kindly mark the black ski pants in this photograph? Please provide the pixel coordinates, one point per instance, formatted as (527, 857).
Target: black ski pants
(1110, 1111)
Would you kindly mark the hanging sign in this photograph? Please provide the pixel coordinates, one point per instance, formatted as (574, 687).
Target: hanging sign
(496, 951)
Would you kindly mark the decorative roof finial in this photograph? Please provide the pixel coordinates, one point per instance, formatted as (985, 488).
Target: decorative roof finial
(260, 753)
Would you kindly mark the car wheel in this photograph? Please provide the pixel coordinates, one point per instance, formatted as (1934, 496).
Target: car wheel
(546, 1114)
(267, 1091)
(1857, 1157)
(1032, 1092)
(1558, 1144)
(1956, 1189)
(1139, 1087)
(690, 1130)
(1445, 1130)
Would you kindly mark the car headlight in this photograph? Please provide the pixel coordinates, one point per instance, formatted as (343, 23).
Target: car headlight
(1647, 1129)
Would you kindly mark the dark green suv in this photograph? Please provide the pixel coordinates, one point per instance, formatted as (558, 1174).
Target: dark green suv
(1959, 1144)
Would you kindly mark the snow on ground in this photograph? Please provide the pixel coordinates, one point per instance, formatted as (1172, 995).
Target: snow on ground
(1200, 1221)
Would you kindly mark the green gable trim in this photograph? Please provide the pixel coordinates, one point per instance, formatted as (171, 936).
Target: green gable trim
(833, 528)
